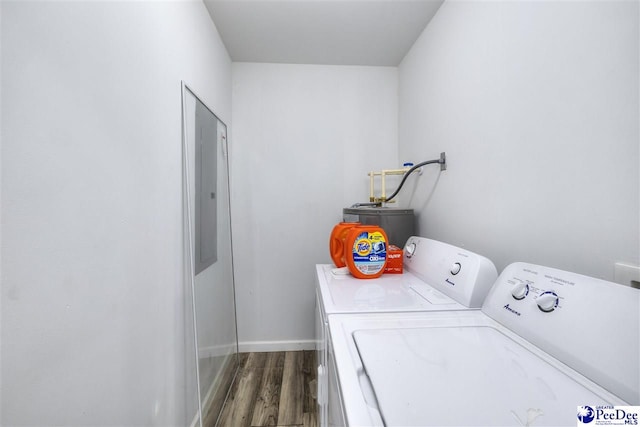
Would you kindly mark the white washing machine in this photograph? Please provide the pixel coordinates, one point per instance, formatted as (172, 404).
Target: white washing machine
(437, 277)
(545, 343)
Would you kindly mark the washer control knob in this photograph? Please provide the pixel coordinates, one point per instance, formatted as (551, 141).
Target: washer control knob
(547, 301)
(520, 290)
(455, 268)
(410, 249)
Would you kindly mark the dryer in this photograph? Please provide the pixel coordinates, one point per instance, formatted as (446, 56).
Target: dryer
(548, 348)
(437, 277)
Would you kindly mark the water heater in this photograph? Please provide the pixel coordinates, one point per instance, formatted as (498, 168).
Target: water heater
(398, 223)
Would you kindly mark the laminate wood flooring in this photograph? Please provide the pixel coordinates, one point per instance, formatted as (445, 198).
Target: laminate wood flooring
(272, 389)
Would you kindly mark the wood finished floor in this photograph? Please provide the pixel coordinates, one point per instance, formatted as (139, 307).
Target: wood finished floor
(273, 389)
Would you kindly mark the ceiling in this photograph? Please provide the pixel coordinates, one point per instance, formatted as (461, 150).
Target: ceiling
(334, 32)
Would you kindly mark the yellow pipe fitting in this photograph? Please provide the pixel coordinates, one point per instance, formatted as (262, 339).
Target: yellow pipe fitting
(382, 174)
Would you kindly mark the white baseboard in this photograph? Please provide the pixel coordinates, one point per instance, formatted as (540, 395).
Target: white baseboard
(196, 420)
(216, 350)
(214, 385)
(269, 346)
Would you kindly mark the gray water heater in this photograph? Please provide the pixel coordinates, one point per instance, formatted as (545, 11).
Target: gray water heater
(398, 224)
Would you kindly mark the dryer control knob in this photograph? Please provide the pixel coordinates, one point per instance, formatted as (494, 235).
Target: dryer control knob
(455, 268)
(520, 291)
(547, 301)
(410, 249)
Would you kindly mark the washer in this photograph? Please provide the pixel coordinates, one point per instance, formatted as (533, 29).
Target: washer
(545, 343)
(437, 277)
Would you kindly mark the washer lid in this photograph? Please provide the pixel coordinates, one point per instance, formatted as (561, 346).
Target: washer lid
(461, 375)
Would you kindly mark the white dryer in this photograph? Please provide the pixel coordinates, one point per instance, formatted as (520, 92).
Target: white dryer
(547, 347)
(437, 277)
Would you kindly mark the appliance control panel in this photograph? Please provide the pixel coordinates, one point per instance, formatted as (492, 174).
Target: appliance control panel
(589, 324)
(546, 300)
(460, 274)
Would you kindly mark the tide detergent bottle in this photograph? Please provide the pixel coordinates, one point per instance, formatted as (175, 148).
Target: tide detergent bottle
(365, 251)
(336, 242)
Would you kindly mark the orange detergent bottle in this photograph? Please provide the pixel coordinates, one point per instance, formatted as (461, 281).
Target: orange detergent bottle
(336, 242)
(365, 251)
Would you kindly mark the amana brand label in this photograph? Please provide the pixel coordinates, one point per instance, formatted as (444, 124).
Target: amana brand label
(369, 252)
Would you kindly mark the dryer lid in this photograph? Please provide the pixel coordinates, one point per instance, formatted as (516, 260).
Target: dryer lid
(388, 293)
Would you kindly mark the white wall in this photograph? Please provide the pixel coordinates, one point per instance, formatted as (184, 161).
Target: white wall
(303, 139)
(536, 106)
(94, 312)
